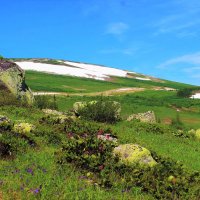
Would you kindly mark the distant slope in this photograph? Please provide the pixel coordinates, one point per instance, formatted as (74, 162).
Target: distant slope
(85, 70)
(48, 75)
(39, 81)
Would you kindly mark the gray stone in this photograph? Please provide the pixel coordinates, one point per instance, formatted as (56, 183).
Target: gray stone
(148, 117)
(12, 76)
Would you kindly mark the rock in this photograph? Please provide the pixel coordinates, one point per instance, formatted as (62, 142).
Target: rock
(107, 137)
(5, 123)
(196, 134)
(58, 117)
(78, 105)
(52, 112)
(12, 76)
(134, 154)
(148, 117)
(24, 128)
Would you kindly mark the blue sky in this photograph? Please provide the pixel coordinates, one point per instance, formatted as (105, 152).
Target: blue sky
(155, 37)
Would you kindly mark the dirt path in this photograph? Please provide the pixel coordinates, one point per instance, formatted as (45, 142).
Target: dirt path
(118, 91)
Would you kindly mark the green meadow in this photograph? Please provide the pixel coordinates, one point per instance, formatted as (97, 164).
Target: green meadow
(38, 81)
(33, 171)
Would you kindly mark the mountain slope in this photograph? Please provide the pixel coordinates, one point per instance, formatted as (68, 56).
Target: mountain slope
(48, 75)
(86, 70)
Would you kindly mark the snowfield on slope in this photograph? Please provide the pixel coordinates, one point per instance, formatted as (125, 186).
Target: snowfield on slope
(75, 69)
(195, 96)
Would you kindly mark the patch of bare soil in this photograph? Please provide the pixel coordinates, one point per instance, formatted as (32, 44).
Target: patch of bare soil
(118, 91)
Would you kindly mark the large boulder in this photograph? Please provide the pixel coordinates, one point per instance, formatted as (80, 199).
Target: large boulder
(131, 154)
(12, 76)
(148, 117)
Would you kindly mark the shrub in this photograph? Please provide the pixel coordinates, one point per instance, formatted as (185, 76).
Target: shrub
(101, 111)
(13, 143)
(43, 102)
(186, 92)
(84, 148)
(176, 123)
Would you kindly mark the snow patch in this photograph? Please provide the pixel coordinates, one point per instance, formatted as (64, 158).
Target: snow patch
(80, 69)
(143, 79)
(195, 96)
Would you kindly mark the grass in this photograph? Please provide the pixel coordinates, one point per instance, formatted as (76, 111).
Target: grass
(35, 174)
(47, 82)
(163, 103)
(38, 81)
(63, 182)
(167, 145)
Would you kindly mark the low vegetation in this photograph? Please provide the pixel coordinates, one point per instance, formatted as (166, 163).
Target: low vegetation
(187, 92)
(69, 153)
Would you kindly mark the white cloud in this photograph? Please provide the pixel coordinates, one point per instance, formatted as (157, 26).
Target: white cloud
(191, 59)
(118, 28)
(182, 20)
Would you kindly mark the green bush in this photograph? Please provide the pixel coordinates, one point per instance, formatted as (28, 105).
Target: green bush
(14, 143)
(186, 92)
(43, 102)
(101, 111)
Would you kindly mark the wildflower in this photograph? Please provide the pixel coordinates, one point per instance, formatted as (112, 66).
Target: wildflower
(101, 167)
(30, 171)
(100, 132)
(107, 136)
(36, 191)
(70, 135)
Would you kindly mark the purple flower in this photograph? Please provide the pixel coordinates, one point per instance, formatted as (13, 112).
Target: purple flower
(16, 171)
(30, 171)
(21, 187)
(36, 191)
(44, 170)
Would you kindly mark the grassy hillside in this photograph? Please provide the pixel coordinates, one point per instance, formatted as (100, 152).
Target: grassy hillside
(38, 81)
(36, 169)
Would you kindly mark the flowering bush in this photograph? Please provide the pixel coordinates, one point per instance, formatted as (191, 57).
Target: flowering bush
(84, 146)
